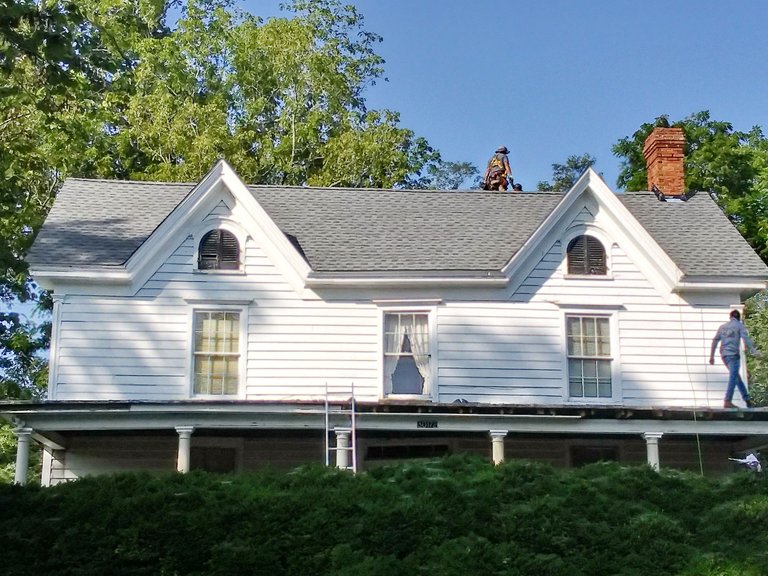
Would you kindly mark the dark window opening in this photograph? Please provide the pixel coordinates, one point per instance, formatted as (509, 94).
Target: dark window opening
(402, 452)
(586, 256)
(219, 250)
(583, 455)
(213, 459)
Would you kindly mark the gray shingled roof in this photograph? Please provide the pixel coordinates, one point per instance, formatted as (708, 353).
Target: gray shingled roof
(101, 223)
(696, 235)
(360, 230)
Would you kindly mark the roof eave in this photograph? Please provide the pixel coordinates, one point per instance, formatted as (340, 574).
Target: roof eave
(47, 277)
(490, 278)
(747, 284)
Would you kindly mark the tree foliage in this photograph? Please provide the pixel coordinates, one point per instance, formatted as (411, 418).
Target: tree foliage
(455, 516)
(453, 175)
(564, 176)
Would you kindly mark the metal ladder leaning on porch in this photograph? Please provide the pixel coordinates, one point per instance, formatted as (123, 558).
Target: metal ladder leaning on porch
(341, 401)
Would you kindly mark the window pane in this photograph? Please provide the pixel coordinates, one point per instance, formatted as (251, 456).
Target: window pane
(574, 346)
(604, 369)
(603, 337)
(575, 377)
(604, 378)
(576, 388)
(573, 327)
(202, 375)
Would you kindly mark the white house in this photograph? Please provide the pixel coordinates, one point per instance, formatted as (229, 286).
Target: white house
(223, 326)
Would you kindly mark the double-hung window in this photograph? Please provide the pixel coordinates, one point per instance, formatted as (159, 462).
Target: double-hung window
(589, 356)
(216, 352)
(407, 356)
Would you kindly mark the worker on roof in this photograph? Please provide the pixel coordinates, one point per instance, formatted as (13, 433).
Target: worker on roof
(498, 174)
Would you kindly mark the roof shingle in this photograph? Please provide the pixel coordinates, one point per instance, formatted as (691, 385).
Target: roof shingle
(102, 223)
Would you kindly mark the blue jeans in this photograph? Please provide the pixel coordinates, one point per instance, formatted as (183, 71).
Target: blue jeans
(734, 378)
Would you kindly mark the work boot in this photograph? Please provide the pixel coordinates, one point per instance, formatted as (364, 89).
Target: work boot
(748, 402)
(728, 404)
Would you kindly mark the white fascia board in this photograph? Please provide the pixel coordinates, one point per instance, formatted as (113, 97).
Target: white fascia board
(405, 282)
(666, 269)
(691, 286)
(308, 417)
(276, 245)
(49, 278)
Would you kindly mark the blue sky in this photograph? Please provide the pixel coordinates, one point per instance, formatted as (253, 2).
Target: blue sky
(554, 78)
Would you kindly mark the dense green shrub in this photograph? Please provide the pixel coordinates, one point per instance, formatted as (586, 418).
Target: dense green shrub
(458, 516)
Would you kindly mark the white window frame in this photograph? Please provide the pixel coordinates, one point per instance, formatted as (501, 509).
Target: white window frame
(430, 388)
(587, 230)
(593, 312)
(242, 349)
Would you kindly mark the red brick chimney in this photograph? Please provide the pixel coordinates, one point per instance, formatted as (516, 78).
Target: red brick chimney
(664, 152)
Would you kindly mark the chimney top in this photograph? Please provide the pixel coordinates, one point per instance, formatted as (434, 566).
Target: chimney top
(664, 152)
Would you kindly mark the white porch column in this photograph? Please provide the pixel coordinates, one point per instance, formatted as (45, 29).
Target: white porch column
(652, 446)
(23, 437)
(185, 445)
(342, 447)
(497, 443)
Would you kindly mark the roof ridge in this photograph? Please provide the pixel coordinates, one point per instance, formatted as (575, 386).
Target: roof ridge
(132, 182)
(401, 190)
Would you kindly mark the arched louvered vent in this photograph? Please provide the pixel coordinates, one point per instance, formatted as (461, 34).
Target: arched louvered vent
(586, 256)
(219, 250)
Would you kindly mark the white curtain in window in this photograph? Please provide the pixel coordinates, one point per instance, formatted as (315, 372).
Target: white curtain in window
(394, 333)
(420, 344)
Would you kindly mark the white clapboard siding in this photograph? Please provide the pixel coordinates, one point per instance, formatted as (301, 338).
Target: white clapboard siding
(499, 353)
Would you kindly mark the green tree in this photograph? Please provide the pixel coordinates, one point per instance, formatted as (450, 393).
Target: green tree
(452, 175)
(282, 100)
(564, 176)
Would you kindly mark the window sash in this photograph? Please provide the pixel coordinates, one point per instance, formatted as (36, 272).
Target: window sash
(216, 353)
(589, 356)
